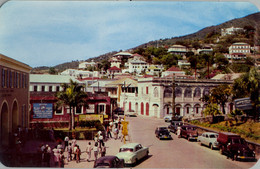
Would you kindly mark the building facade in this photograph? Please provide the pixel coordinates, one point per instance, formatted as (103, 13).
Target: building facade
(153, 97)
(14, 97)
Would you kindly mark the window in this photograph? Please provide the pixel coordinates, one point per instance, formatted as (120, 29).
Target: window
(50, 88)
(101, 109)
(188, 92)
(58, 110)
(35, 88)
(10, 79)
(146, 89)
(43, 88)
(187, 110)
(156, 94)
(78, 110)
(57, 88)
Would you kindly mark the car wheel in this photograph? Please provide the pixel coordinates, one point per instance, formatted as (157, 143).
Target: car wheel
(211, 146)
(188, 138)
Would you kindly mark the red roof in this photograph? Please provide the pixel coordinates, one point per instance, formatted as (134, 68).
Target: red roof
(114, 68)
(174, 69)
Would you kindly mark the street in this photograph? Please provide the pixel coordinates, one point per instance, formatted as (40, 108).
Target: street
(176, 153)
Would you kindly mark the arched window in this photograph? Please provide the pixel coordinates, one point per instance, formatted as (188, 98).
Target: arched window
(206, 91)
(155, 92)
(178, 92)
(197, 92)
(168, 92)
(188, 92)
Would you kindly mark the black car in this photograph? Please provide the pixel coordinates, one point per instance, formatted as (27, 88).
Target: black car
(174, 125)
(109, 162)
(162, 133)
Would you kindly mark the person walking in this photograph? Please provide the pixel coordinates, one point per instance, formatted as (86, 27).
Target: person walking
(116, 133)
(69, 158)
(48, 155)
(89, 150)
(56, 156)
(66, 142)
(78, 153)
(103, 150)
(100, 140)
(73, 144)
(96, 150)
(75, 152)
(61, 160)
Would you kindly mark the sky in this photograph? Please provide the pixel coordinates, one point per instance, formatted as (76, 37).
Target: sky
(48, 33)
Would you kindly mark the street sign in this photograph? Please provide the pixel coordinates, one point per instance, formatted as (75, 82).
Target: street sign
(42, 110)
(243, 104)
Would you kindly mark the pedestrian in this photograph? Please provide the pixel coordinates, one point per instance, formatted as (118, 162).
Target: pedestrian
(73, 143)
(66, 142)
(96, 150)
(179, 131)
(108, 132)
(78, 153)
(88, 150)
(56, 156)
(103, 150)
(116, 133)
(100, 140)
(48, 155)
(96, 138)
(74, 151)
(69, 158)
(61, 160)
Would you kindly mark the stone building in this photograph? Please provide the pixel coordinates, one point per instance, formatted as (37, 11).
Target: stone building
(153, 96)
(14, 97)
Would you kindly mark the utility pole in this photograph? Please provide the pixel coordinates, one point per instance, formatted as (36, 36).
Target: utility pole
(173, 96)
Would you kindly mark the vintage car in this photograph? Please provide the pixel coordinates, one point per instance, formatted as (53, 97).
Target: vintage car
(109, 162)
(162, 133)
(209, 139)
(174, 125)
(130, 113)
(235, 147)
(168, 117)
(132, 153)
(189, 132)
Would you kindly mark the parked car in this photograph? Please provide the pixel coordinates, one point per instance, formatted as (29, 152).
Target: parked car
(130, 113)
(174, 125)
(109, 162)
(132, 153)
(162, 133)
(119, 111)
(209, 139)
(189, 132)
(234, 146)
(168, 117)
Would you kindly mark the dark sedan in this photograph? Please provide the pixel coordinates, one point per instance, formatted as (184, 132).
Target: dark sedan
(162, 133)
(109, 162)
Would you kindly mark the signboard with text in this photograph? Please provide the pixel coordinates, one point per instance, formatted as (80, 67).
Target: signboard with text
(243, 104)
(42, 110)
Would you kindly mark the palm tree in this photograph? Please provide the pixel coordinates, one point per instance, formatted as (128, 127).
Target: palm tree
(72, 96)
(247, 85)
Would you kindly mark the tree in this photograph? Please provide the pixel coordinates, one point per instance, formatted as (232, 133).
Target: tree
(52, 71)
(221, 61)
(247, 85)
(72, 96)
(212, 110)
(235, 113)
(220, 95)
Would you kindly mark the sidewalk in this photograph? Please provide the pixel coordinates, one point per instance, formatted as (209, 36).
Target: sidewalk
(112, 149)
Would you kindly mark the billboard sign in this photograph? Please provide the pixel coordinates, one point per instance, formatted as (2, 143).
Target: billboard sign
(243, 104)
(42, 110)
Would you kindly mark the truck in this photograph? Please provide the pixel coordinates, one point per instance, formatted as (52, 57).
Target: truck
(234, 146)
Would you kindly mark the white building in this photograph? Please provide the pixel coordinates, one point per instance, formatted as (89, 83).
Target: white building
(173, 70)
(178, 49)
(80, 73)
(239, 47)
(153, 97)
(49, 83)
(230, 31)
(137, 66)
(85, 65)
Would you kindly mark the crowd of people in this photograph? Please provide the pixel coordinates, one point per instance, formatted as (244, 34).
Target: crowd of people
(98, 149)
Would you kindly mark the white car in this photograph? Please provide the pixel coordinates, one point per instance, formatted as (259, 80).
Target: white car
(168, 117)
(209, 139)
(130, 113)
(132, 153)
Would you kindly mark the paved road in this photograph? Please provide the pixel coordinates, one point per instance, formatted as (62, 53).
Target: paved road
(176, 153)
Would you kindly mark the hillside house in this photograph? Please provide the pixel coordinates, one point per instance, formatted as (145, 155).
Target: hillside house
(230, 31)
(173, 70)
(178, 50)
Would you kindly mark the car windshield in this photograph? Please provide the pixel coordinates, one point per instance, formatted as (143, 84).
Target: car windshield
(213, 136)
(191, 128)
(126, 150)
(163, 128)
